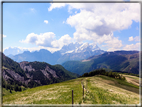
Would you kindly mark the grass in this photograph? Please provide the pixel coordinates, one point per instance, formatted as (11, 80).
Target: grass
(59, 93)
(123, 84)
(98, 90)
(104, 91)
(5, 92)
(130, 76)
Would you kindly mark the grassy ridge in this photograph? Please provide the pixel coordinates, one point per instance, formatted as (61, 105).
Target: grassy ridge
(98, 90)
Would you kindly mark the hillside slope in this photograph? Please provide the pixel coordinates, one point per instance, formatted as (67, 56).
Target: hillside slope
(98, 90)
(127, 61)
(33, 74)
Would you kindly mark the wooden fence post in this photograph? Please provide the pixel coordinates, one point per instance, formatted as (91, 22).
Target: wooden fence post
(83, 90)
(72, 98)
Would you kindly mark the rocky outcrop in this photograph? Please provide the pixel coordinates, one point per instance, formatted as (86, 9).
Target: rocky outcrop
(32, 73)
(9, 74)
(6, 77)
(51, 71)
(26, 67)
(45, 74)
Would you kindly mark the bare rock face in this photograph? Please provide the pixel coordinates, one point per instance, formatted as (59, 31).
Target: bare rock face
(6, 77)
(11, 75)
(29, 73)
(51, 71)
(24, 66)
(45, 74)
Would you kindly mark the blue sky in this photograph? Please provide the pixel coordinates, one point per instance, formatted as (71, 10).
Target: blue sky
(34, 26)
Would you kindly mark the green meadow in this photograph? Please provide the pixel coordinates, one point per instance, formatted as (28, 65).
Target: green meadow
(97, 90)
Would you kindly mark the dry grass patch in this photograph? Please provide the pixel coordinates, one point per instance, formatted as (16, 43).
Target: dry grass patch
(132, 79)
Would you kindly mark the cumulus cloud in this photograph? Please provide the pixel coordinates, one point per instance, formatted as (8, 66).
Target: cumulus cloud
(137, 38)
(112, 43)
(44, 39)
(48, 40)
(105, 20)
(97, 21)
(56, 5)
(64, 40)
(131, 38)
(132, 47)
(46, 21)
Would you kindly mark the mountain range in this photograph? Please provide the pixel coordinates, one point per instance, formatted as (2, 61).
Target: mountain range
(32, 74)
(11, 51)
(125, 61)
(73, 51)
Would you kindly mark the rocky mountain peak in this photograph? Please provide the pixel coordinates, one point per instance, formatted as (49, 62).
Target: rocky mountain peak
(79, 47)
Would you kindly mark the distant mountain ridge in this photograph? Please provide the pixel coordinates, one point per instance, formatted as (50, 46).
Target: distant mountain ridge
(73, 51)
(127, 61)
(11, 51)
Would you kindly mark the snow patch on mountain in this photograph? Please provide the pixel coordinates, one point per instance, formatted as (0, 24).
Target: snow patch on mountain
(78, 48)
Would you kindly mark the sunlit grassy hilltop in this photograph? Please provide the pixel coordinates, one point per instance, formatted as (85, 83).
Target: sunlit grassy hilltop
(98, 90)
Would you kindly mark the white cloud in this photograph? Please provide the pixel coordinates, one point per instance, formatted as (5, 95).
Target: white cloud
(46, 21)
(56, 5)
(101, 18)
(112, 43)
(48, 40)
(104, 18)
(64, 40)
(98, 21)
(131, 38)
(132, 47)
(44, 39)
(137, 38)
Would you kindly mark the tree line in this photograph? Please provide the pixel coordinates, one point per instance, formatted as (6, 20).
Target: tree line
(103, 72)
(12, 87)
